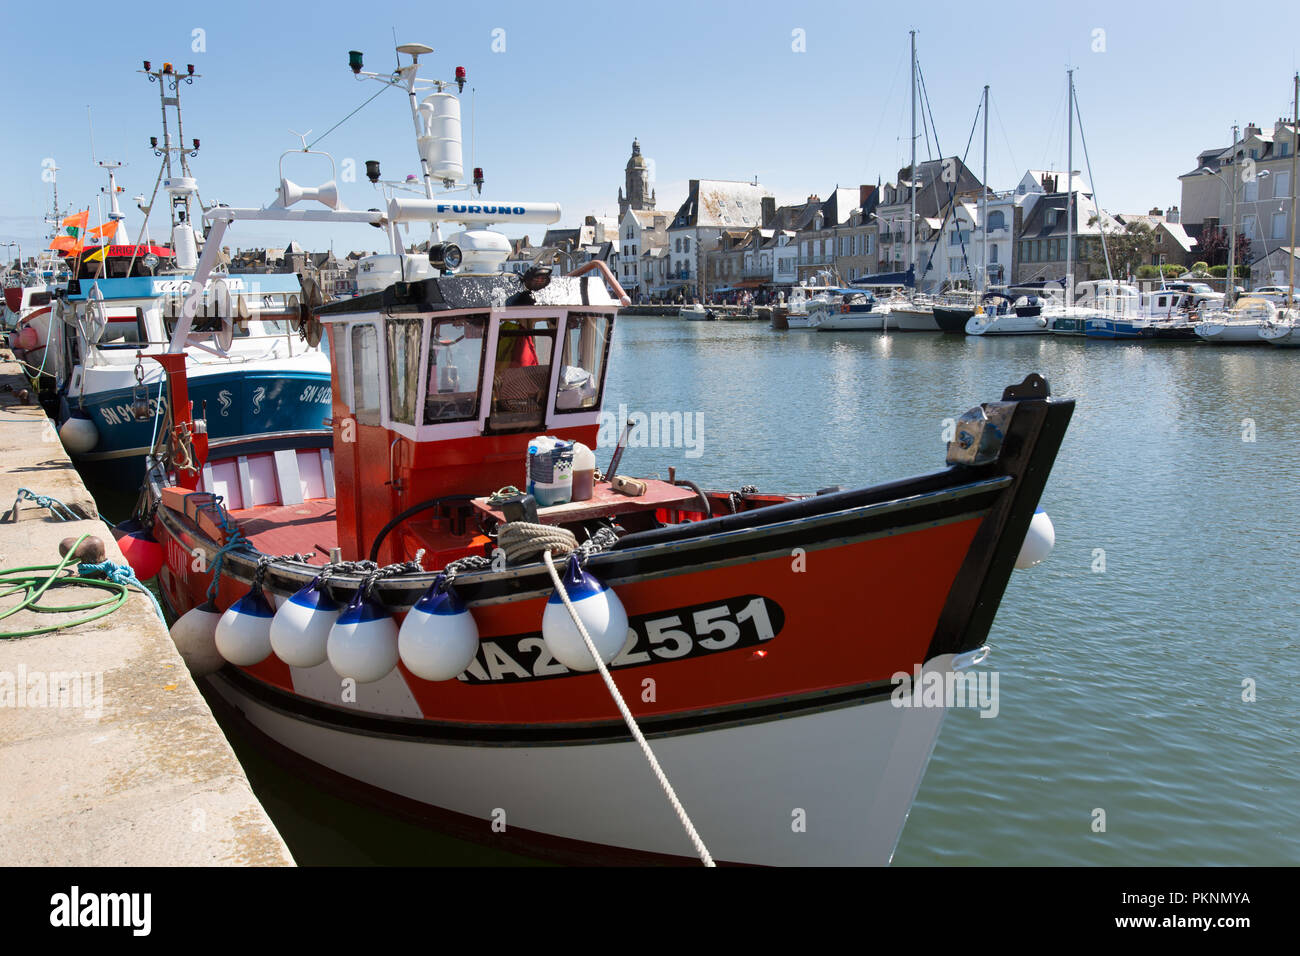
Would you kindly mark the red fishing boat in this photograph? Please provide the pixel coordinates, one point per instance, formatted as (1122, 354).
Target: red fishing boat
(379, 615)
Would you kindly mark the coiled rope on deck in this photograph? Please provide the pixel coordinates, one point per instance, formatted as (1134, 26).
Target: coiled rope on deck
(667, 787)
(35, 580)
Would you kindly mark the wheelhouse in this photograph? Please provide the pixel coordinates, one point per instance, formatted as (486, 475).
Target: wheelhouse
(438, 386)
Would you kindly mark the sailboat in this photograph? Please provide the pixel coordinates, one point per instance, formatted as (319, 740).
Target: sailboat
(501, 687)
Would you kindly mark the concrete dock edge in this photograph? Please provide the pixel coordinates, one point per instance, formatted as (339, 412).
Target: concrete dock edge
(109, 755)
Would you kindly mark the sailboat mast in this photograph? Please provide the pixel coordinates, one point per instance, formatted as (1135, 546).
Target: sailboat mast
(1295, 141)
(984, 199)
(1230, 287)
(1069, 199)
(912, 171)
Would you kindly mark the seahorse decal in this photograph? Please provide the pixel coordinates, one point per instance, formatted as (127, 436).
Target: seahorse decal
(224, 397)
(259, 393)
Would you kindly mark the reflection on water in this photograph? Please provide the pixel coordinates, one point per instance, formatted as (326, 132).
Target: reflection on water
(1120, 690)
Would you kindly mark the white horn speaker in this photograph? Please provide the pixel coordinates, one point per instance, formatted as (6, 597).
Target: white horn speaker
(326, 193)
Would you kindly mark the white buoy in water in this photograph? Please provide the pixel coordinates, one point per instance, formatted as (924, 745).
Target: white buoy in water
(194, 635)
(300, 629)
(244, 631)
(439, 637)
(1039, 540)
(362, 644)
(601, 612)
(79, 435)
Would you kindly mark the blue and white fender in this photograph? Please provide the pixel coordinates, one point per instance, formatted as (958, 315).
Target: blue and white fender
(301, 627)
(244, 631)
(601, 613)
(439, 637)
(362, 644)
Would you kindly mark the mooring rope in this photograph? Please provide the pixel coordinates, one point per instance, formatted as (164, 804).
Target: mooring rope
(667, 787)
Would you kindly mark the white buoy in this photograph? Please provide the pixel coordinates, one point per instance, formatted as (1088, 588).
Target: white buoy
(1039, 540)
(439, 637)
(601, 612)
(362, 644)
(300, 629)
(244, 631)
(79, 435)
(194, 635)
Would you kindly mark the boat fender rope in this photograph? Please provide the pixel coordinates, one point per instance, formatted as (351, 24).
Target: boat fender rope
(523, 541)
(58, 510)
(667, 787)
(119, 574)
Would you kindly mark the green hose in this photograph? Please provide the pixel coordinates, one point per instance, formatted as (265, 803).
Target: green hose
(35, 580)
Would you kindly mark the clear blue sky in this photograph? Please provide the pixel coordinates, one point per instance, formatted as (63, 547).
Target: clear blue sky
(713, 90)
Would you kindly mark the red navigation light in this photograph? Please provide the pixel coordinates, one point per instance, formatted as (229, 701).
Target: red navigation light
(478, 178)
(460, 78)
(147, 66)
(196, 144)
(189, 68)
(153, 142)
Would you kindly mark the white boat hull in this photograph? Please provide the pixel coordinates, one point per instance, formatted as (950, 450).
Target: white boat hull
(1007, 325)
(913, 320)
(1232, 333)
(821, 789)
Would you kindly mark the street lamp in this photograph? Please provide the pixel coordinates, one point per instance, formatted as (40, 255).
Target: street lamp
(1230, 286)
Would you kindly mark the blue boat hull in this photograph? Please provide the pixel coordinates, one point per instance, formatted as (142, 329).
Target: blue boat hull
(1113, 329)
(235, 403)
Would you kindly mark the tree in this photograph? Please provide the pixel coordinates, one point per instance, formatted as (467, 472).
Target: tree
(1213, 245)
(1128, 249)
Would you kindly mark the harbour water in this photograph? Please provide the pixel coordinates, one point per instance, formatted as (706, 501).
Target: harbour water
(1122, 660)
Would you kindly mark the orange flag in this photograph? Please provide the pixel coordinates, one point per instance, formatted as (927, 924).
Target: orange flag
(78, 221)
(107, 229)
(65, 244)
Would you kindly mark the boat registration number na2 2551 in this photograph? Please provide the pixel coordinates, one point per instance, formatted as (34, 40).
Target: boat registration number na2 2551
(674, 634)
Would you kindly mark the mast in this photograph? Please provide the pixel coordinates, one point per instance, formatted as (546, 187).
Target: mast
(984, 199)
(1069, 198)
(1295, 141)
(1230, 287)
(911, 254)
(120, 237)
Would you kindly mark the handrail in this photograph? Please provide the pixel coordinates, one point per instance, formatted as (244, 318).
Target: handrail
(623, 297)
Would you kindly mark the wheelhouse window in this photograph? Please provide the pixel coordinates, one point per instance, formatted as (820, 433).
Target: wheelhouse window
(522, 373)
(403, 339)
(455, 367)
(124, 329)
(582, 362)
(365, 374)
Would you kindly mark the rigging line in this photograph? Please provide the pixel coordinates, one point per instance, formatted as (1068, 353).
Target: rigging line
(1005, 138)
(382, 89)
(1053, 132)
(925, 98)
(1095, 201)
(951, 206)
(875, 137)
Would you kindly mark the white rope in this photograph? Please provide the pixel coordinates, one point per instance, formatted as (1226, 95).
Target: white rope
(671, 794)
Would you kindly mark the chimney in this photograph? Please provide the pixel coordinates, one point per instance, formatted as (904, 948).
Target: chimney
(1156, 211)
(769, 211)
(1173, 215)
(1251, 130)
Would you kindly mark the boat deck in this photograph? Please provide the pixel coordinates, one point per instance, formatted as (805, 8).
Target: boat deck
(289, 529)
